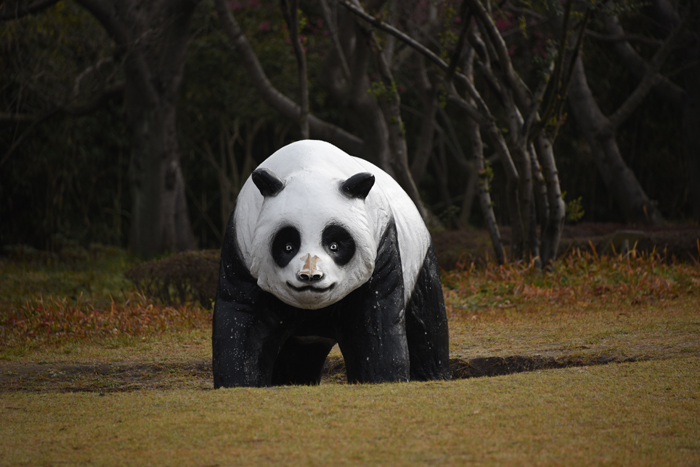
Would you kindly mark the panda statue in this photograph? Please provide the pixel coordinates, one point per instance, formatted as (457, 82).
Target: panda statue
(325, 248)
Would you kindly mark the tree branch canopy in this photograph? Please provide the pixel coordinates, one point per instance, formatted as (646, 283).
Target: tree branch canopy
(106, 14)
(12, 119)
(289, 11)
(638, 65)
(650, 79)
(21, 12)
(622, 38)
(274, 98)
(480, 115)
(79, 110)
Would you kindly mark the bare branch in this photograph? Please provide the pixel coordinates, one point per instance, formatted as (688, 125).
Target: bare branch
(379, 24)
(495, 38)
(15, 119)
(78, 110)
(564, 86)
(328, 17)
(457, 53)
(622, 38)
(453, 141)
(87, 71)
(479, 47)
(481, 115)
(638, 65)
(558, 88)
(20, 12)
(428, 93)
(390, 105)
(33, 120)
(551, 95)
(651, 78)
(106, 14)
(274, 98)
(532, 113)
(109, 92)
(289, 11)
(491, 80)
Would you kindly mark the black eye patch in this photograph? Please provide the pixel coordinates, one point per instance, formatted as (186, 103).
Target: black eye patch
(338, 243)
(285, 246)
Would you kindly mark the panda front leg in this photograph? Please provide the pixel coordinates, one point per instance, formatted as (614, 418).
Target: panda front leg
(371, 328)
(375, 352)
(245, 346)
(247, 332)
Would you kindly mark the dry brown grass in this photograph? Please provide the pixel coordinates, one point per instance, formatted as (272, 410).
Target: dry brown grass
(627, 414)
(162, 413)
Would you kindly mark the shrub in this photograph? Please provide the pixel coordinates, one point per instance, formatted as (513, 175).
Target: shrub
(180, 278)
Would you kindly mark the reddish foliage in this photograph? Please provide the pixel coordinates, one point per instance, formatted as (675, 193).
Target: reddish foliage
(56, 320)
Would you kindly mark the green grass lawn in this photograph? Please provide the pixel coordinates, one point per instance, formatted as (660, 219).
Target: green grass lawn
(92, 373)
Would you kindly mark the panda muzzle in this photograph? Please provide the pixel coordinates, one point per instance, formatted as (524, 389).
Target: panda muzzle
(310, 272)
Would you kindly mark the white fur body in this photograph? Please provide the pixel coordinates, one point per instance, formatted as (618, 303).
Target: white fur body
(312, 172)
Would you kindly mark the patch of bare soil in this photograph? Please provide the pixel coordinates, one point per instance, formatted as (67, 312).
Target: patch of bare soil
(105, 377)
(197, 374)
(671, 243)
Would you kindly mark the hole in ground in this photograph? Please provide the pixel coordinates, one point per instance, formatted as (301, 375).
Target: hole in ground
(121, 377)
(462, 368)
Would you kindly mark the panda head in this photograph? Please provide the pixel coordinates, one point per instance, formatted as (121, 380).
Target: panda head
(313, 242)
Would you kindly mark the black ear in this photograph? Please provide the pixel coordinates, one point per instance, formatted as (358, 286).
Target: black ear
(267, 182)
(358, 185)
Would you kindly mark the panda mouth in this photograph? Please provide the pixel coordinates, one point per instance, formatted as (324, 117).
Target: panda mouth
(310, 288)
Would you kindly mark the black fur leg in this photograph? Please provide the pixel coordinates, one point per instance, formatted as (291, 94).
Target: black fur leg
(371, 327)
(247, 331)
(300, 361)
(244, 348)
(426, 325)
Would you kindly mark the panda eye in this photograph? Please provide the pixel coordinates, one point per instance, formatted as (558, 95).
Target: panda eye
(285, 245)
(338, 243)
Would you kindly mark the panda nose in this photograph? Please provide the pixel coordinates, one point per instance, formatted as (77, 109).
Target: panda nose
(304, 277)
(310, 271)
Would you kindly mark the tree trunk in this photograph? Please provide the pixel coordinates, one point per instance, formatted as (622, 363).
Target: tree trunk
(153, 37)
(663, 12)
(556, 209)
(691, 131)
(484, 190)
(428, 94)
(597, 129)
(159, 219)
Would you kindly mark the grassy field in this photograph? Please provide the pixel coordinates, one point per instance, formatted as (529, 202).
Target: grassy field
(627, 414)
(93, 373)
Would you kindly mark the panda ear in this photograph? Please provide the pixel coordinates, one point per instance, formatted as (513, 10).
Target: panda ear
(358, 185)
(267, 182)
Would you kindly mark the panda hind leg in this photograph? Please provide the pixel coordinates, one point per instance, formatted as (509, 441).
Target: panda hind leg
(300, 361)
(426, 325)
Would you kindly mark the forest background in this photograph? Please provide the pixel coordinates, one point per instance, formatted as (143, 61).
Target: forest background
(108, 106)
